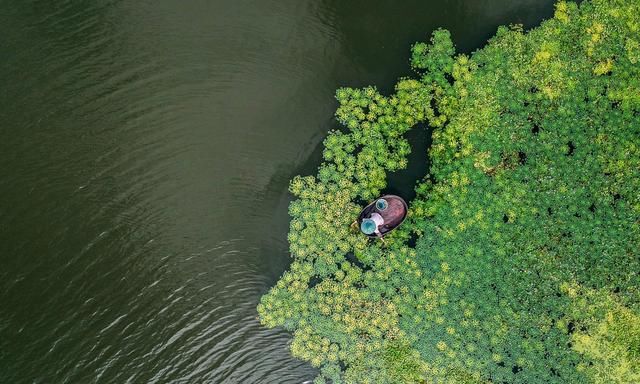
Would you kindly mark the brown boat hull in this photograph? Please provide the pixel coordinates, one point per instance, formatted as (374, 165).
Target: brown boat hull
(393, 216)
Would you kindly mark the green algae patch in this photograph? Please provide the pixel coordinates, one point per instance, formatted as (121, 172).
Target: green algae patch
(527, 258)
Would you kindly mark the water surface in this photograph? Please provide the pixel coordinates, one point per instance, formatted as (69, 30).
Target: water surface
(145, 152)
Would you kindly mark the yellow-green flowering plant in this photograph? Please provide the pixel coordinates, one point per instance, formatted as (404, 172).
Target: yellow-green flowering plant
(526, 261)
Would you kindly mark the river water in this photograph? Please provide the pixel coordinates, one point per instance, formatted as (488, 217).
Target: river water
(145, 152)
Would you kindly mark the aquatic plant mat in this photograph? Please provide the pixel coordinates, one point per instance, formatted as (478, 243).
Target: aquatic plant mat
(526, 261)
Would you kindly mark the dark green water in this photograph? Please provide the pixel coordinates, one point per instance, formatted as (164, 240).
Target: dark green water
(145, 152)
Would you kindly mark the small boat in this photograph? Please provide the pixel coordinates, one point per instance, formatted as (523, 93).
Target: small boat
(393, 210)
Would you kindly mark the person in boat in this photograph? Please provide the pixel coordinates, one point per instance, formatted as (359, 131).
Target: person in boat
(374, 222)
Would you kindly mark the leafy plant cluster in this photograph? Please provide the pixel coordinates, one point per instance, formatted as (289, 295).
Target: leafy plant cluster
(527, 258)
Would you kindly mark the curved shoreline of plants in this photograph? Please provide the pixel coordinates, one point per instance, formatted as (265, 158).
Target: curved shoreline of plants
(527, 262)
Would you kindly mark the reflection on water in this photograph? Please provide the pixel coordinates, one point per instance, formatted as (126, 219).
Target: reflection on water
(145, 151)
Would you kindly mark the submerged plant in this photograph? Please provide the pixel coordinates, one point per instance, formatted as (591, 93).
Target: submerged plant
(528, 253)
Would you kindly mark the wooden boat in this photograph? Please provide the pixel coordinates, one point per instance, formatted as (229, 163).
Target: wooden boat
(393, 214)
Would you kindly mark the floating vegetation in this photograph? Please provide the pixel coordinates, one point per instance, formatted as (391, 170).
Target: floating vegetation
(527, 261)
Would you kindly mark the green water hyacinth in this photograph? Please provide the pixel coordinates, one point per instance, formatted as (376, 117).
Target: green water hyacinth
(526, 261)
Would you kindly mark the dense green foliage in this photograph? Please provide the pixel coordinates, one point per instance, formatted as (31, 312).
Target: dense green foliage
(528, 252)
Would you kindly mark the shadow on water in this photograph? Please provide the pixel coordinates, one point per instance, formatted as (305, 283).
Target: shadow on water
(403, 182)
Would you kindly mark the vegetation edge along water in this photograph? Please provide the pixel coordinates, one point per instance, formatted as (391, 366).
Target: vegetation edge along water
(526, 229)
